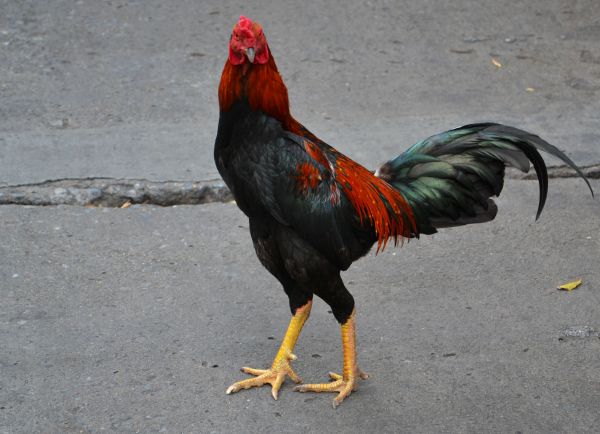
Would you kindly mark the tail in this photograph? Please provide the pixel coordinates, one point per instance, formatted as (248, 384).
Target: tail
(449, 179)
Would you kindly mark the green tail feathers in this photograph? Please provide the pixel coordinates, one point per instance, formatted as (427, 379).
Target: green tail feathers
(449, 178)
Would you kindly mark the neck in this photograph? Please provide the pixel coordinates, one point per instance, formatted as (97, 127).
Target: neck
(261, 85)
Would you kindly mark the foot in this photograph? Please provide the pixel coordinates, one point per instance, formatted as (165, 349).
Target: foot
(344, 386)
(274, 376)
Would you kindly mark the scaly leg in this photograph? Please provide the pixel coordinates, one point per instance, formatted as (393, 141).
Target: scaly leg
(281, 364)
(348, 382)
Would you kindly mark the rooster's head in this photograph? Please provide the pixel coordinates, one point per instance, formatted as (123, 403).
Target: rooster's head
(248, 42)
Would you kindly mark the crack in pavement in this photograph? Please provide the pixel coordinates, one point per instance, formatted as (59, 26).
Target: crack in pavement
(591, 171)
(112, 192)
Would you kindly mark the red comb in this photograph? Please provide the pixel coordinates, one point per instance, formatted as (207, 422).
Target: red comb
(244, 23)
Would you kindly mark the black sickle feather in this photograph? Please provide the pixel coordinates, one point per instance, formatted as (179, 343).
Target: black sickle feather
(449, 178)
(529, 143)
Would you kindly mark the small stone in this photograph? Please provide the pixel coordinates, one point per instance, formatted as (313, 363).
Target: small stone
(61, 123)
(579, 332)
(474, 39)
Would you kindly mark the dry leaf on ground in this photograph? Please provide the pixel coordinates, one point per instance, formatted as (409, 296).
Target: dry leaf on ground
(570, 286)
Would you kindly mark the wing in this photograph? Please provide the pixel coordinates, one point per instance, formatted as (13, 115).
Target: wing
(448, 179)
(317, 209)
(282, 179)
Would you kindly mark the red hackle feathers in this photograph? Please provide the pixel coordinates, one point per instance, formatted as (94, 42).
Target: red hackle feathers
(263, 87)
(369, 195)
(373, 199)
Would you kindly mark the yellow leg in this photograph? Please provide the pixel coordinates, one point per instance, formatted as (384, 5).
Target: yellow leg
(281, 364)
(346, 383)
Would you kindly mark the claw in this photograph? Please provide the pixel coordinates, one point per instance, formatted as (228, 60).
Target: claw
(335, 376)
(343, 386)
(277, 384)
(275, 376)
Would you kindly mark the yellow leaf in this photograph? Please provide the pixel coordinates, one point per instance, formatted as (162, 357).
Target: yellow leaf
(126, 204)
(530, 89)
(496, 63)
(570, 286)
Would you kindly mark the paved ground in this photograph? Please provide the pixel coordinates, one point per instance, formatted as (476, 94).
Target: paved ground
(136, 320)
(132, 79)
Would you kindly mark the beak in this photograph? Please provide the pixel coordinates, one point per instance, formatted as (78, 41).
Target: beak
(250, 54)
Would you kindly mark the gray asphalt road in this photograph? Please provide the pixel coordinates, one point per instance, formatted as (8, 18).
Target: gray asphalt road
(136, 320)
(128, 88)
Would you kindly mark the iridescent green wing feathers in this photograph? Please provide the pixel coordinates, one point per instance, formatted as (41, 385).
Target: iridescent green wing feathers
(449, 179)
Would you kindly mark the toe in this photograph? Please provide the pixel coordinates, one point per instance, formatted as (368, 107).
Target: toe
(335, 376)
(337, 401)
(245, 384)
(334, 386)
(277, 385)
(346, 391)
(300, 389)
(253, 371)
(293, 376)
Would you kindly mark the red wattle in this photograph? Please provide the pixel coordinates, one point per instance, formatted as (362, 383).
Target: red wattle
(236, 58)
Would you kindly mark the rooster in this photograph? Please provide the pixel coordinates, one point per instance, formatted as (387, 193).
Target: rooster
(313, 211)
